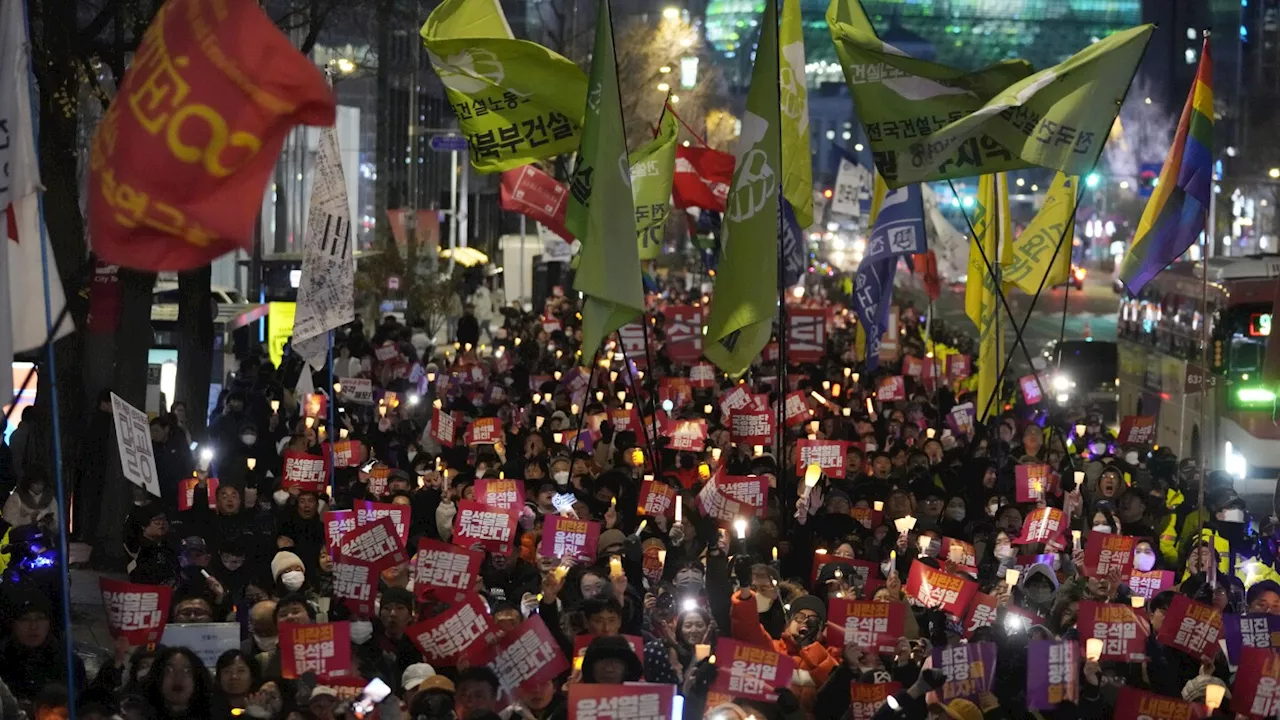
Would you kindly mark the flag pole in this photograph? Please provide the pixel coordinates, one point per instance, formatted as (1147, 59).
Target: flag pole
(333, 428)
(64, 546)
(780, 451)
(635, 393)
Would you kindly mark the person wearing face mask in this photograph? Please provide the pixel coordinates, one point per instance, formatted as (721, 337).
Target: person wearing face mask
(954, 521)
(301, 527)
(289, 572)
(1037, 585)
(264, 634)
(1145, 557)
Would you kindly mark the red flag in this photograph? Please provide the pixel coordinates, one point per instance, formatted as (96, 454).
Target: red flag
(178, 167)
(702, 178)
(536, 195)
(926, 264)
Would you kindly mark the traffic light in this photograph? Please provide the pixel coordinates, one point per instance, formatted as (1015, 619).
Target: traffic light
(1217, 354)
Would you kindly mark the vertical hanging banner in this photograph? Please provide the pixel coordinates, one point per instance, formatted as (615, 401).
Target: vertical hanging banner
(684, 332)
(806, 335)
(133, 440)
(177, 170)
(326, 291)
(323, 649)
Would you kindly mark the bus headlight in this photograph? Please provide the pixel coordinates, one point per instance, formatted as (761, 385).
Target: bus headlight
(1233, 462)
(1061, 383)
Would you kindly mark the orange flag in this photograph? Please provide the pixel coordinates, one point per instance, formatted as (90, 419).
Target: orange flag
(179, 163)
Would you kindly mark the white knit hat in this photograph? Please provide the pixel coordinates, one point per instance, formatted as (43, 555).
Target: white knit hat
(283, 559)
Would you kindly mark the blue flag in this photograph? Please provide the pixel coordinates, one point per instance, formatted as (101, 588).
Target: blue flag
(791, 244)
(899, 230)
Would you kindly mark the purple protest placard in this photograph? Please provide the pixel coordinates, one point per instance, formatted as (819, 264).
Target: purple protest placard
(1051, 673)
(1242, 631)
(969, 668)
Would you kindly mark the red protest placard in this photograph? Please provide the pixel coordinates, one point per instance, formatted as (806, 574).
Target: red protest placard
(1123, 634)
(719, 505)
(504, 494)
(891, 388)
(377, 478)
(869, 517)
(806, 335)
(563, 536)
(625, 420)
(684, 332)
(353, 583)
(690, 435)
(323, 648)
(1042, 525)
(135, 612)
(1104, 552)
(675, 389)
(314, 405)
(484, 431)
(386, 352)
(866, 699)
(526, 656)
(873, 626)
(1256, 690)
(632, 337)
(1149, 584)
(960, 552)
(375, 544)
(1135, 704)
(751, 672)
(445, 638)
(445, 570)
(348, 453)
(736, 399)
(304, 471)
(478, 524)
(1030, 389)
(1031, 482)
(1137, 430)
(796, 409)
(647, 701)
(702, 375)
(959, 367)
(443, 427)
(368, 512)
(751, 427)
(828, 454)
(1192, 627)
(934, 588)
(336, 524)
(981, 613)
(912, 366)
(656, 498)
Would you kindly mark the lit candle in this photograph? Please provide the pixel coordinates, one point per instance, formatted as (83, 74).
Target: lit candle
(382, 410)
(275, 406)
(577, 663)
(904, 524)
(599, 396)
(878, 505)
(759, 450)
(846, 412)
(775, 553)
(637, 457)
(706, 409)
(342, 433)
(337, 388)
(893, 560)
(560, 571)
(251, 462)
(812, 474)
(613, 502)
(310, 422)
(537, 398)
(1213, 696)
(923, 542)
(715, 454)
(1137, 601)
(1011, 577)
(826, 384)
(679, 508)
(613, 376)
(648, 477)
(622, 395)
(615, 567)
(701, 652)
(1080, 430)
(855, 377)
(537, 422)
(871, 408)
(1093, 649)
(847, 370)
(662, 557)
(573, 408)
(1079, 475)
(820, 551)
(835, 390)
(434, 403)
(1075, 538)
(929, 433)
(628, 405)
(740, 525)
(557, 437)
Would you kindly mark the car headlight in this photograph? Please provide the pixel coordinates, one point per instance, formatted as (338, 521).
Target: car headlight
(1233, 462)
(1061, 383)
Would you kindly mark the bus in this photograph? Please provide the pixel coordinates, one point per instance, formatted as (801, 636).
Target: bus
(1160, 333)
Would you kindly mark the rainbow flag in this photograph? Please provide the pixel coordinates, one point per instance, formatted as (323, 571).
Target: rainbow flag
(1175, 214)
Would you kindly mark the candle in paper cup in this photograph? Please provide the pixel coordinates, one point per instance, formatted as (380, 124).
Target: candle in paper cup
(701, 652)
(573, 408)
(826, 384)
(622, 395)
(955, 553)
(923, 542)
(615, 566)
(820, 551)
(275, 406)
(1093, 649)
(847, 370)
(557, 438)
(871, 408)
(537, 422)
(740, 525)
(707, 409)
(310, 422)
(758, 450)
(846, 412)
(775, 553)
(1079, 475)
(878, 505)
(715, 454)
(342, 433)
(1213, 695)
(599, 396)
(1080, 430)
(835, 390)
(662, 557)
(1137, 601)
(929, 433)
(537, 398)
(1011, 577)
(251, 462)
(904, 524)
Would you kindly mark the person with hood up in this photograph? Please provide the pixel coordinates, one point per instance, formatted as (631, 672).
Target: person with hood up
(33, 503)
(1038, 585)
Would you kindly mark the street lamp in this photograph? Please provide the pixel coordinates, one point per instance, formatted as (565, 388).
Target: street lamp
(1274, 173)
(346, 66)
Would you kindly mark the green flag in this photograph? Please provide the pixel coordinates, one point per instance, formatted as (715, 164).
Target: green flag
(653, 169)
(600, 204)
(746, 290)
(797, 164)
(1036, 257)
(516, 101)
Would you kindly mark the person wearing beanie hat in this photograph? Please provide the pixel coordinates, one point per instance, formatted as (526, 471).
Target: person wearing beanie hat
(610, 542)
(962, 709)
(284, 562)
(802, 638)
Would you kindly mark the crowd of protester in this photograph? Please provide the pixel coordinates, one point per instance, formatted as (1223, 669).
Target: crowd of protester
(660, 591)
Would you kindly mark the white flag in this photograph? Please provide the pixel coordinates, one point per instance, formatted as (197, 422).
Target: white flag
(850, 183)
(22, 308)
(326, 297)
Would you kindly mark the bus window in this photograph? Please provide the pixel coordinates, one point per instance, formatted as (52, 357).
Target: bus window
(1246, 355)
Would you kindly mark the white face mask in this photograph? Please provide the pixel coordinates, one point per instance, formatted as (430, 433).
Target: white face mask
(280, 496)
(249, 439)
(1233, 515)
(267, 643)
(956, 514)
(1104, 529)
(293, 580)
(1131, 457)
(1003, 552)
(1144, 561)
(361, 631)
(561, 477)
(411, 455)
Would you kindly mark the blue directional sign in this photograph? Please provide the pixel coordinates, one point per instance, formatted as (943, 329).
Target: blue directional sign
(448, 143)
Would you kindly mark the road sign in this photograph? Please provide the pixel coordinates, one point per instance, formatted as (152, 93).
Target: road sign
(448, 143)
(1199, 379)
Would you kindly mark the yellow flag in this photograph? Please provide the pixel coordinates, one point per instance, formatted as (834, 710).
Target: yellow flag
(1033, 252)
(992, 230)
